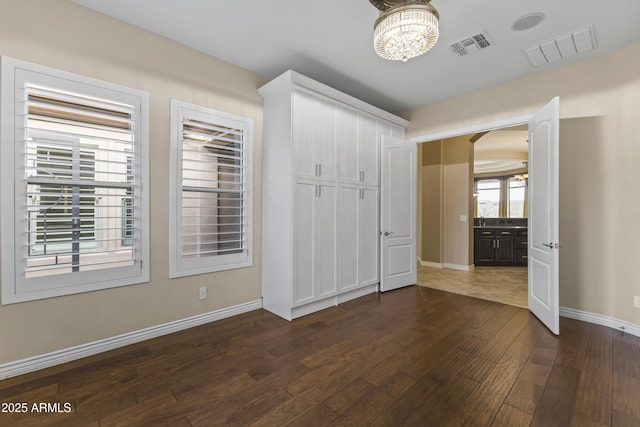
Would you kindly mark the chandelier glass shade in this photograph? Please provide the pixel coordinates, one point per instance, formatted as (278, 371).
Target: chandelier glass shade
(405, 32)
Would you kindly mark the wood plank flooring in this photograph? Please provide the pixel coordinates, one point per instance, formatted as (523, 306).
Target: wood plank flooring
(411, 357)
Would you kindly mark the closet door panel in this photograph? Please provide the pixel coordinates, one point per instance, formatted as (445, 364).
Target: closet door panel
(303, 242)
(304, 162)
(347, 141)
(368, 150)
(348, 237)
(326, 225)
(368, 236)
(324, 135)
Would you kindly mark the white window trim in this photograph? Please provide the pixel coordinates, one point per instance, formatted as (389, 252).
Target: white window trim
(15, 287)
(177, 267)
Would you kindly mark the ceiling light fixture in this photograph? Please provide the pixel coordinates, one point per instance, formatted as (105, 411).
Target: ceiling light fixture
(405, 29)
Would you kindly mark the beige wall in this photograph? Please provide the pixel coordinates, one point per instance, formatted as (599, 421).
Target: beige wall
(447, 174)
(60, 34)
(599, 152)
(431, 202)
(457, 160)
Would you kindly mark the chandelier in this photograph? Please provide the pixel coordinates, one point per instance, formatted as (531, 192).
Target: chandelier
(405, 29)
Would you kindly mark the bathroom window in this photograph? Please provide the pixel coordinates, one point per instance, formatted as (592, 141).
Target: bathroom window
(517, 197)
(501, 197)
(488, 199)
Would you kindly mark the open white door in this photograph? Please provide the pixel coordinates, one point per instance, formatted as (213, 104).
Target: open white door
(398, 214)
(543, 215)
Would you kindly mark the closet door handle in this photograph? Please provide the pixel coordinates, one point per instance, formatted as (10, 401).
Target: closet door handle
(319, 169)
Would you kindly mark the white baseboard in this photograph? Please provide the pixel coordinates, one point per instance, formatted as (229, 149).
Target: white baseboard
(42, 361)
(431, 264)
(446, 265)
(601, 320)
(459, 267)
(31, 364)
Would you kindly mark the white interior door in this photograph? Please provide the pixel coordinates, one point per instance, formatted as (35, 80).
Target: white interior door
(543, 215)
(398, 213)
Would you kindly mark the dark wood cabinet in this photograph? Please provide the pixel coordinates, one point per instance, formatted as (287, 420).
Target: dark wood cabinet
(500, 246)
(484, 247)
(522, 244)
(504, 250)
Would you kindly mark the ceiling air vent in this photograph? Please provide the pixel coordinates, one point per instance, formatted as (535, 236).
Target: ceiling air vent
(471, 44)
(579, 41)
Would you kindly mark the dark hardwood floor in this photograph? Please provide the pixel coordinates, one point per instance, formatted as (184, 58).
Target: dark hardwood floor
(411, 357)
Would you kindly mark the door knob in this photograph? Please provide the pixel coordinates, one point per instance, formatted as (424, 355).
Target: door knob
(548, 245)
(388, 233)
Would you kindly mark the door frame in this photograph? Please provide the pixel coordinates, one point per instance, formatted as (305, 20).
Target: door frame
(476, 128)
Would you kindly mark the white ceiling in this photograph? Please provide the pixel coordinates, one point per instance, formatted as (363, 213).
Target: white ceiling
(331, 40)
(501, 150)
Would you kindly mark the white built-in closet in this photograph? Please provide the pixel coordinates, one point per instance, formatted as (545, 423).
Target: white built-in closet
(321, 191)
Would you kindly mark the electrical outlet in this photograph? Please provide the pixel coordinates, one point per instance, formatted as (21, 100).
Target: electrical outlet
(636, 301)
(202, 293)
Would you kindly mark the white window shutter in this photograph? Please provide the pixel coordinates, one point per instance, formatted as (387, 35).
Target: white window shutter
(74, 160)
(211, 190)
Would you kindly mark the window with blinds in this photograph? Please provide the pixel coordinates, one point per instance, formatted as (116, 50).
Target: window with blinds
(78, 171)
(210, 198)
(80, 145)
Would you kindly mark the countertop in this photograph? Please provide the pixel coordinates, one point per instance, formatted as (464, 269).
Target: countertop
(500, 226)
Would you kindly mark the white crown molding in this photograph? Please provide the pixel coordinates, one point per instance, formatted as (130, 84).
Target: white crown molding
(24, 366)
(291, 78)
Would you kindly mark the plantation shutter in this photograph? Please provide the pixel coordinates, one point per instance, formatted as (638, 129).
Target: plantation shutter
(80, 182)
(213, 190)
(211, 194)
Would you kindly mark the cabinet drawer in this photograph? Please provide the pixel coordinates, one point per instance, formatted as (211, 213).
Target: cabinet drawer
(479, 232)
(521, 256)
(522, 242)
(522, 232)
(501, 232)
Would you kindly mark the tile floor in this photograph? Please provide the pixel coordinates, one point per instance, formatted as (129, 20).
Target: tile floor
(507, 285)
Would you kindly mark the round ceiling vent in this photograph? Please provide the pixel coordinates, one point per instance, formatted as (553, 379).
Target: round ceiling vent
(527, 21)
